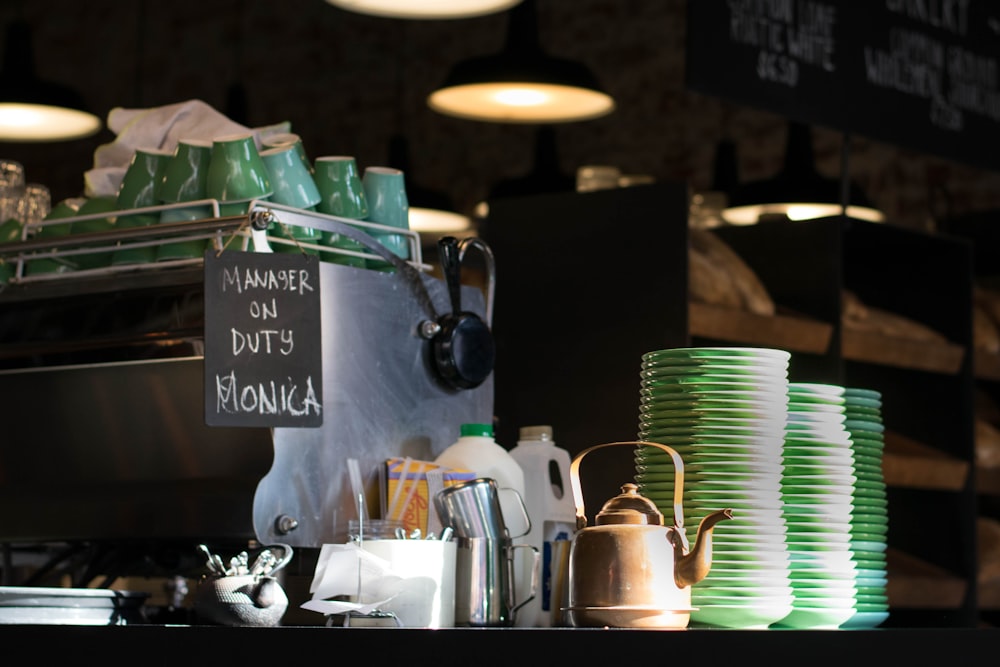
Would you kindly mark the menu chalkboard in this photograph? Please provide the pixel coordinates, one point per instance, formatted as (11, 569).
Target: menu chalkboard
(263, 351)
(921, 74)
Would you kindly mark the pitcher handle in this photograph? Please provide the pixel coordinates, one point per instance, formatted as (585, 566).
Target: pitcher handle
(524, 510)
(533, 591)
(574, 478)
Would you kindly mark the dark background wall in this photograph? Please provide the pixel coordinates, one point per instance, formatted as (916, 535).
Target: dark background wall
(347, 82)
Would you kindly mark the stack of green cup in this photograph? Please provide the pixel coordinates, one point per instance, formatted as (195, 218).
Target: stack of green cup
(343, 195)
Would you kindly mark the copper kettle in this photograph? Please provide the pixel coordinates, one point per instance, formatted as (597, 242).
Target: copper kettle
(629, 570)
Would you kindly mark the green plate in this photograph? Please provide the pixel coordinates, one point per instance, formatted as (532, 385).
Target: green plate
(794, 525)
(757, 466)
(871, 504)
(719, 417)
(867, 449)
(861, 392)
(694, 352)
(677, 410)
(816, 388)
(864, 426)
(694, 402)
(707, 431)
(803, 618)
(864, 548)
(714, 382)
(863, 517)
(715, 373)
(862, 412)
(796, 438)
(865, 619)
(794, 474)
(868, 561)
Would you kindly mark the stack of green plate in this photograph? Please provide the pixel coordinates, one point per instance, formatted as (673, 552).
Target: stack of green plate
(723, 409)
(817, 487)
(870, 518)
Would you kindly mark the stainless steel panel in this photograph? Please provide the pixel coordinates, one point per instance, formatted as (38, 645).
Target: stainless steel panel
(121, 451)
(381, 397)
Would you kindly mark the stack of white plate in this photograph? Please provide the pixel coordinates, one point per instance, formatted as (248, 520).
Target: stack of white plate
(723, 410)
(817, 489)
(870, 519)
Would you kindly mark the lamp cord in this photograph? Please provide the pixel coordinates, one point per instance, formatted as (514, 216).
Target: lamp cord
(845, 181)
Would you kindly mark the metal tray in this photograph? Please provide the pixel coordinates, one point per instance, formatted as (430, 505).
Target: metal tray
(26, 605)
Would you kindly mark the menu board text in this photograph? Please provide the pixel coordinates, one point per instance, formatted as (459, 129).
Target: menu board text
(917, 73)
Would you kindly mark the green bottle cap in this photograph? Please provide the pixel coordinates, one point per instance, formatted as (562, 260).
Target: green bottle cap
(485, 430)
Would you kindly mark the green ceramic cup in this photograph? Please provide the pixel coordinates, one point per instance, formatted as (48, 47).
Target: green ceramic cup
(10, 232)
(282, 139)
(95, 205)
(140, 188)
(385, 190)
(185, 179)
(341, 194)
(293, 186)
(236, 171)
(64, 209)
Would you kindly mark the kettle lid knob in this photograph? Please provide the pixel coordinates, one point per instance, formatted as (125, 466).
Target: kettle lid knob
(629, 508)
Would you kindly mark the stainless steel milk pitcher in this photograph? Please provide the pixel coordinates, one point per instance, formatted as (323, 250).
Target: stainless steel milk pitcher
(484, 580)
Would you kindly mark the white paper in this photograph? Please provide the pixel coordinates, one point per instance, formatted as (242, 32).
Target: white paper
(346, 570)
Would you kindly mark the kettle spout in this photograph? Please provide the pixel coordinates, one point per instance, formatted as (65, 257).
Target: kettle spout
(691, 568)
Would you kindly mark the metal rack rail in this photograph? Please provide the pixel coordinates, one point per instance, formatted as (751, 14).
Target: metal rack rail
(254, 231)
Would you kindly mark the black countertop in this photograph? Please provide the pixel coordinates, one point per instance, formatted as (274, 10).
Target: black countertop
(217, 646)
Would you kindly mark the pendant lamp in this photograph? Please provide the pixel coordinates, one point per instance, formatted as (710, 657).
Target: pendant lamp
(521, 84)
(545, 177)
(431, 212)
(425, 9)
(798, 191)
(33, 110)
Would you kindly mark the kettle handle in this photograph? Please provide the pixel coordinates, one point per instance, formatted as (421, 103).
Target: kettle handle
(574, 478)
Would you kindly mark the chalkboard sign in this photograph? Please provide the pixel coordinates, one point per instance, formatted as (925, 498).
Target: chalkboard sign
(920, 74)
(263, 351)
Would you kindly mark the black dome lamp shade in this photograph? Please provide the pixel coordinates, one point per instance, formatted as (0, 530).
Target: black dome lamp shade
(33, 110)
(798, 191)
(521, 84)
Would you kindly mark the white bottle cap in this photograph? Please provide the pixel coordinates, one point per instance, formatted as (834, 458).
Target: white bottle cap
(535, 433)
